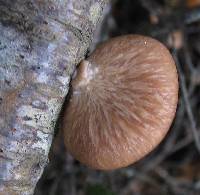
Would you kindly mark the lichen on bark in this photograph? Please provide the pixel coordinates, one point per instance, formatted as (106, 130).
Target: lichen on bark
(40, 44)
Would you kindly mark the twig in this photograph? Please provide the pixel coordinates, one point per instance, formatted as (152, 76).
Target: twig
(192, 16)
(175, 184)
(187, 102)
(186, 52)
(183, 143)
(151, 6)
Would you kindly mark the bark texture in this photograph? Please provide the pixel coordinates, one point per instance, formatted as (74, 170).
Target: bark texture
(41, 41)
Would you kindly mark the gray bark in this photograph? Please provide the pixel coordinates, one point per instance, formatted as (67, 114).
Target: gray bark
(41, 41)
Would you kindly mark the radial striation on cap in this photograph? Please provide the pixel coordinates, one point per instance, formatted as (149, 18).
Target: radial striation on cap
(123, 101)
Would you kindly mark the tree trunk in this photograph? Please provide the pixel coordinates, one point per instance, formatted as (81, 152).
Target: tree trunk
(40, 44)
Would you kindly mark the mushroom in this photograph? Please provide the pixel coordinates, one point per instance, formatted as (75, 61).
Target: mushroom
(123, 101)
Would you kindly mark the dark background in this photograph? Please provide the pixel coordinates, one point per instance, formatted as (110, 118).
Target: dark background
(174, 167)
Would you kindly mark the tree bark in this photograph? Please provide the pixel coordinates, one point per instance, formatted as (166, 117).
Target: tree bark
(41, 41)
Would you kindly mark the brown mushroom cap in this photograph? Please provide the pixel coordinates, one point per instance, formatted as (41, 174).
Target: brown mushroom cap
(123, 101)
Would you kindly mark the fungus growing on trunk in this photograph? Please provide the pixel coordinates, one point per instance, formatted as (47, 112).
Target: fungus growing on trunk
(123, 101)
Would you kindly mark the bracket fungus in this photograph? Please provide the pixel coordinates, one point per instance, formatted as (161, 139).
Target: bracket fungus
(123, 101)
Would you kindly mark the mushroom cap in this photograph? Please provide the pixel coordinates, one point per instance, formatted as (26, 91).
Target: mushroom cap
(123, 101)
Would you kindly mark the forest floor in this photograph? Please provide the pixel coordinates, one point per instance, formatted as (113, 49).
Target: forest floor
(174, 167)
